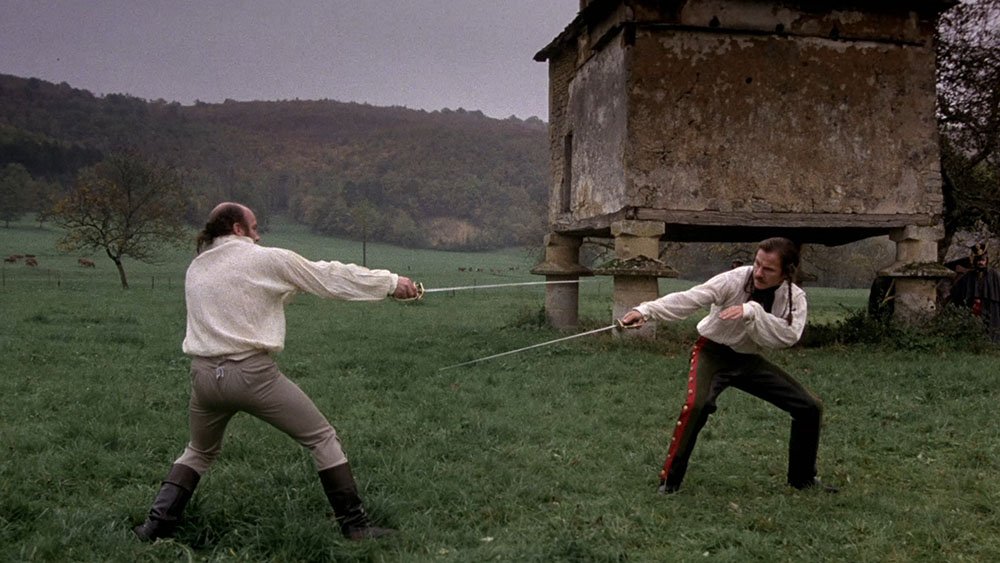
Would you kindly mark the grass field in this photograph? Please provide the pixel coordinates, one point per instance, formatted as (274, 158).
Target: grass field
(550, 455)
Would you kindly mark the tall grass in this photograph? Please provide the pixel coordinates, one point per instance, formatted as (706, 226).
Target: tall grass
(551, 455)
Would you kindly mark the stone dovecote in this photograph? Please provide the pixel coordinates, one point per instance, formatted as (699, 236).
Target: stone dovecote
(735, 120)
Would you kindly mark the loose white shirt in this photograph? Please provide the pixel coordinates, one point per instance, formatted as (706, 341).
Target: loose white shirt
(236, 292)
(757, 330)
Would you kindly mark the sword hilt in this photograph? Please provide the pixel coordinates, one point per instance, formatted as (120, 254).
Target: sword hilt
(420, 294)
(619, 325)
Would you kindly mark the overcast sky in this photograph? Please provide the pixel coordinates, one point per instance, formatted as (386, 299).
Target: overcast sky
(422, 54)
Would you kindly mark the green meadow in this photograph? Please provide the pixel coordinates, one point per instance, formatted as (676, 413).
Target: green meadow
(548, 455)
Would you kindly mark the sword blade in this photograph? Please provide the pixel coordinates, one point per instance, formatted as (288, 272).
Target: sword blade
(493, 285)
(539, 345)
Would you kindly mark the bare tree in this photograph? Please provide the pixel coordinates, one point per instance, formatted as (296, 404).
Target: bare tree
(125, 205)
(968, 41)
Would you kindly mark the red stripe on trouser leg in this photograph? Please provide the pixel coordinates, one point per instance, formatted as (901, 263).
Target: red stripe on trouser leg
(685, 416)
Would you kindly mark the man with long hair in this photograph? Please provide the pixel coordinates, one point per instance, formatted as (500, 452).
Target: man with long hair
(752, 308)
(235, 291)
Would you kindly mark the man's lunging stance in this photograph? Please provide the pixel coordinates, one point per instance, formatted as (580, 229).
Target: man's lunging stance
(235, 291)
(751, 308)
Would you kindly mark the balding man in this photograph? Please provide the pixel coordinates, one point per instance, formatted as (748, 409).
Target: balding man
(235, 292)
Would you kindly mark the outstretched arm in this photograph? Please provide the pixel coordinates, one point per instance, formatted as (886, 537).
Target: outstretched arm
(681, 304)
(336, 280)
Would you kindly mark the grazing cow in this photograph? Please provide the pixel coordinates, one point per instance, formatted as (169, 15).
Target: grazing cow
(31, 262)
(86, 263)
(12, 259)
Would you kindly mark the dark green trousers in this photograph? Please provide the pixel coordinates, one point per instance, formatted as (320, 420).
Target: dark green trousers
(715, 368)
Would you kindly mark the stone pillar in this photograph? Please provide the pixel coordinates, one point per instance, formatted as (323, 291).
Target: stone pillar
(635, 240)
(562, 263)
(916, 272)
(630, 291)
(636, 268)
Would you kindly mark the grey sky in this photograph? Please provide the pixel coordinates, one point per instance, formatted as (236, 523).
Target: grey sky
(422, 54)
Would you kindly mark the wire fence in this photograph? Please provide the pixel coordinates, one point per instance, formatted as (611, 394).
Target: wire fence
(20, 277)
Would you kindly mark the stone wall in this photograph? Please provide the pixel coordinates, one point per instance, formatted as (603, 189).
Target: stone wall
(721, 114)
(597, 117)
(782, 124)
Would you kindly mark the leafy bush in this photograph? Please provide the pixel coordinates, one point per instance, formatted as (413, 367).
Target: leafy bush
(954, 328)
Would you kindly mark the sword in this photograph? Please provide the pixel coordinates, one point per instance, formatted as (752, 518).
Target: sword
(421, 290)
(617, 325)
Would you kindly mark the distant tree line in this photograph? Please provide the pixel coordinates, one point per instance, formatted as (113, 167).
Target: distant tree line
(384, 174)
(447, 179)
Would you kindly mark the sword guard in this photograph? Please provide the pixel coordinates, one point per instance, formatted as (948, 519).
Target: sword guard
(621, 326)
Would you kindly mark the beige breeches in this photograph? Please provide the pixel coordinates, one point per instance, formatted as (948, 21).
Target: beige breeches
(221, 388)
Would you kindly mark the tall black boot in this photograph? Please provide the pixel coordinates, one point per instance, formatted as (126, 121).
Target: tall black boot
(803, 446)
(342, 492)
(165, 514)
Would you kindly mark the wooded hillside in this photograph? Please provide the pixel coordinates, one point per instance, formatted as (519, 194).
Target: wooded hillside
(447, 179)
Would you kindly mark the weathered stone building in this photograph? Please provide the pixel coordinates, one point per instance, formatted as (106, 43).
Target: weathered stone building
(735, 120)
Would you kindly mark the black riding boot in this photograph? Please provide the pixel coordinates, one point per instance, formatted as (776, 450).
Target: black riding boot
(165, 514)
(342, 492)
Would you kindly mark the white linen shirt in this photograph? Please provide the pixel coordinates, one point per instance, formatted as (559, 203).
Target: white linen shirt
(756, 331)
(236, 293)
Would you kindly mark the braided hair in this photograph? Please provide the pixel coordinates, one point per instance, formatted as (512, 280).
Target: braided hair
(220, 223)
(788, 253)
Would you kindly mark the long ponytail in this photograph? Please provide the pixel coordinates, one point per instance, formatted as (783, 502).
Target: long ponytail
(220, 223)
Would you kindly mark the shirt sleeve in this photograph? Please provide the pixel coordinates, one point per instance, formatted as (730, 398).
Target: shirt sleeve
(772, 331)
(682, 304)
(335, 280)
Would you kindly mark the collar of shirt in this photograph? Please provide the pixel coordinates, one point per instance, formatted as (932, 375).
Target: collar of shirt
(219, 241)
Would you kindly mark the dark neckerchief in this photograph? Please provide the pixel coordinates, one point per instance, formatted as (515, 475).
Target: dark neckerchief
(765, 297)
